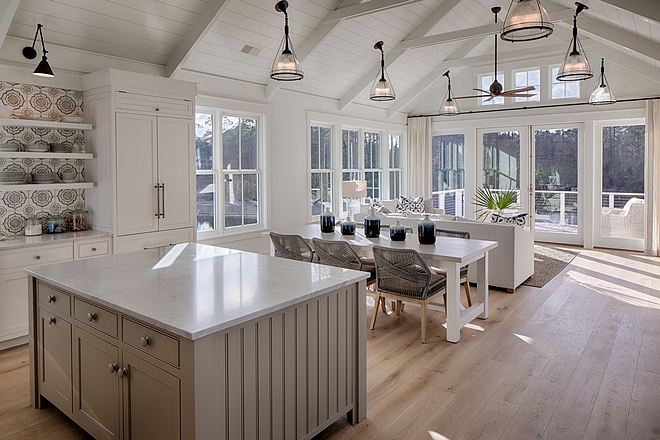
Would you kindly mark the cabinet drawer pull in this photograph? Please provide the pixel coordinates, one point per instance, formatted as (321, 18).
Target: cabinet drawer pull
(38, 257)
(51, 320)
(91, 316)
(113, 367)
(51, 298)
(122, 372)
(93, 249)
(145, 340)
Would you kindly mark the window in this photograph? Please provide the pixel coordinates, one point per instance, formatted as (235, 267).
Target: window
(564, 89)
(528, 78)
(448, 173)
(237, 141)
(395, 166)
(350, 155)
(486, 81)
(321, 177)
(372, 173)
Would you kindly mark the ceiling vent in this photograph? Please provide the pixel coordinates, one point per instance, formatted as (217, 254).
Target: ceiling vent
(251, 50)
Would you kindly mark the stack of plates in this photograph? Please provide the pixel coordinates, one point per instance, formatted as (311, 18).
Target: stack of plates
(75, 119)
(11, 177)
(38, 147)
(43, 178)
(60, 148)
(11, 146)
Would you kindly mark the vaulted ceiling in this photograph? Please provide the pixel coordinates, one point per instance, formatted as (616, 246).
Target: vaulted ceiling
(238, 40)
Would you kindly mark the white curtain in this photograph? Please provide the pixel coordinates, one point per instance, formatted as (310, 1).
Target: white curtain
(419, 157)
(652, 178)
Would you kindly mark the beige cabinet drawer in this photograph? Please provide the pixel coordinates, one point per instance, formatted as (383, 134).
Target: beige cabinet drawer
(95, 316)
(53, 297)
(10, 260)
(156, 105)
(138, 242)
(151, 341)
(89, 248)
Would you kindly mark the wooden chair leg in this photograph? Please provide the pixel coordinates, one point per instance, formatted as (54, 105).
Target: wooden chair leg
(394, 307)
(375, 312)
(423, 306)
(383, 305)
(466, 285)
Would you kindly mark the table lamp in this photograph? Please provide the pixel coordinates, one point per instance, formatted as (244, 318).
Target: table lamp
(354, 190)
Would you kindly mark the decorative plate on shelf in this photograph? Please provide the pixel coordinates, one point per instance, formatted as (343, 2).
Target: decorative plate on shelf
(74, 119)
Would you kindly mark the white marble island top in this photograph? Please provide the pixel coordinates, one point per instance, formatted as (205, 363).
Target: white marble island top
(193, 290)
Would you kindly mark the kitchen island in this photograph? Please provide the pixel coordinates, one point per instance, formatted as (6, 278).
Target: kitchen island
(198, 342)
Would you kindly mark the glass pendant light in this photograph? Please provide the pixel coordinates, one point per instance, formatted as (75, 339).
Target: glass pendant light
(382, 89)
(449, 106)
(602, 94)
(29, 52)
(576, 65)
(526, 21)
(286, 66)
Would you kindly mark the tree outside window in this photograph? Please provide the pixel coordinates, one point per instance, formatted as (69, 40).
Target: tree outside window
(321, 165)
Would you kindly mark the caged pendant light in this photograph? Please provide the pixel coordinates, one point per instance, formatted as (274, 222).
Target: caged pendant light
(576, 65)
(602, 94)
(286, 66)
(29, 52)
(526, 21)
(382, 89)
(449, 106)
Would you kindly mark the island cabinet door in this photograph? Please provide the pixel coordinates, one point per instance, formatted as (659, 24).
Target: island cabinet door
(55, 359)
(97, 386)
(152, 402)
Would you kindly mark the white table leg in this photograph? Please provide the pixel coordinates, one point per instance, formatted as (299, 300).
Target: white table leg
(482, 284)
(453, 302)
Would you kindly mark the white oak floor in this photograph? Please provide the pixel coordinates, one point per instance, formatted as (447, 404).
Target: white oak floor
(577, 359)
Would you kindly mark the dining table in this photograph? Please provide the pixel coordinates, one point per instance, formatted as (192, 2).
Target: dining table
(447, 253)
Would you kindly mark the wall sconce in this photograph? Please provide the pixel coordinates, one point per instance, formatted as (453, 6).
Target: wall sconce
(286, 66)
(29, 52)
(382, 89)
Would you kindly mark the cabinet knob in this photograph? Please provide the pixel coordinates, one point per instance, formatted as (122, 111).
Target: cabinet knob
(51, 298)
(93, 249)
(157, 109)
(51, 320)
(145, 340)
(113, 367)
(38, 257)
(91, 316)
(122, 372)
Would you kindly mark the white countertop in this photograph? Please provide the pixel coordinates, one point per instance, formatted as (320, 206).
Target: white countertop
(20, 241)
(193, 290)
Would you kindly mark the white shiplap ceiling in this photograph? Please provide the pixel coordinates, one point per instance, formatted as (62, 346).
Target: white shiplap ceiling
(338, 58)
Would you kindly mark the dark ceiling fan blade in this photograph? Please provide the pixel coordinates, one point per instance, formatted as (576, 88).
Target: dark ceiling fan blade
(512, 94)
(473, 96)
(483, 91)
(524, 89)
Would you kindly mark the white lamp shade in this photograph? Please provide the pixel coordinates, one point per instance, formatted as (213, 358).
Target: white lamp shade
(602, 95)
(526, 21)
(575, 68)
(354, 189)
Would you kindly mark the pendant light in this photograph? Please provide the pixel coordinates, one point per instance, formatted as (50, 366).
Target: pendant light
(286, 66)
(382, 89)
(576, 65)
(29, 52)
(526, 21)
(449, 106)
(602, 94)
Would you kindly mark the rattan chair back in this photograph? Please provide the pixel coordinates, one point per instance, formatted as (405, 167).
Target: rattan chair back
(292, 247)
(401, 272)
(450, 233)
(336, 253)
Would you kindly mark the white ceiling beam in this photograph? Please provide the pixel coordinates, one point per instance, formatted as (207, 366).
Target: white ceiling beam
(204, 24)
(311, 43)
(7, 11)
(620, 37)
(393, 55)
(366, 8)
(424, 84)
(644, 8)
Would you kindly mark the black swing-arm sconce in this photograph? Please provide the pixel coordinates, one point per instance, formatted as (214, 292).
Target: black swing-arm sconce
(29, 52)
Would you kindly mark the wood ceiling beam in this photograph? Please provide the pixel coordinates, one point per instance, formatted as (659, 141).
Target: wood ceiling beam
(393, 55)
(644, 8)
(204, 24)
(620, 37)
(366, 8)
(7, 11)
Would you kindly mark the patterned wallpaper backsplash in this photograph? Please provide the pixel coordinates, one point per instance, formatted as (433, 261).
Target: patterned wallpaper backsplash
(51, 103)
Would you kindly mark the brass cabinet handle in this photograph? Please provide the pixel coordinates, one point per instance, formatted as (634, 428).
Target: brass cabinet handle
(122, 372)
(163, 196)
(51, 320)
(145, 340)
(91, 316)
(157, 186)
(51, 298)
(113, 367)
(38, 257)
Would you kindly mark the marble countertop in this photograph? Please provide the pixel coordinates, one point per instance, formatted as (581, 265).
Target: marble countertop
(21, 241)
(193, 290)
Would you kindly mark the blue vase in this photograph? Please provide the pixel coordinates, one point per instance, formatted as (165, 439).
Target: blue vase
(348, 227)
(397, 232)
(372, 225)
(426, 230)
(327, 221)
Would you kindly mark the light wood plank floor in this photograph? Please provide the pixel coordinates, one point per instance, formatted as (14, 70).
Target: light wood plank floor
(577, 359)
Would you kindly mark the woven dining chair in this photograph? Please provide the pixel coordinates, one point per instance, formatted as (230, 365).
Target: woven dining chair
(402, 275)
(292, 247)
(464, 270)
(341, 254)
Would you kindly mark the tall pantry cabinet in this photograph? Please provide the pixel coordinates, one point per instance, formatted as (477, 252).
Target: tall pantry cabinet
(144, 141)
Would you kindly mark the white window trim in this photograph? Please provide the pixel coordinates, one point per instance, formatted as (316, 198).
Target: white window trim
(514, 86)
(551, 79)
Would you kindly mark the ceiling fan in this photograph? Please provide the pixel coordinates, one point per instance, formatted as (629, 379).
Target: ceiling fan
(495, 90)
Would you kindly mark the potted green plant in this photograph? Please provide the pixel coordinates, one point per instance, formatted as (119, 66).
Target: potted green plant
(488, 201)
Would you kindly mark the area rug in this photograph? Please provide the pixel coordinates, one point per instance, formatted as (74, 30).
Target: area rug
(548, 262)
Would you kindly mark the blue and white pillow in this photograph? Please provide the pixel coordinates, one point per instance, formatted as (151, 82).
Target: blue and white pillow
(410, 204)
